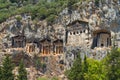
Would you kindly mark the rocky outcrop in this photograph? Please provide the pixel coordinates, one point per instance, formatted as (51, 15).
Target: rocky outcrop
(91, 29)
(103, 21)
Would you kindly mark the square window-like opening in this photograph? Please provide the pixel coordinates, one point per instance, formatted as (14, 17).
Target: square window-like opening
(74, 33)
(102, 45)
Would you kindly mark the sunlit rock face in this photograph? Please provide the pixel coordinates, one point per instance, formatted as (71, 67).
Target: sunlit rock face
(91, 29)
(102, 31)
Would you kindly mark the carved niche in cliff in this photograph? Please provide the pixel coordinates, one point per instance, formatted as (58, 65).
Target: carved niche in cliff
(18, 41)
(58, 46)
(45, 47)
(30, 47)
(102, 38)
(76, 32)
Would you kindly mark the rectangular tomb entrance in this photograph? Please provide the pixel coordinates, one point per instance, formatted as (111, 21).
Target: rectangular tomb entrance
(30, 47)
(45, 46)
(58, 46)
(101, 39)
(18, 41)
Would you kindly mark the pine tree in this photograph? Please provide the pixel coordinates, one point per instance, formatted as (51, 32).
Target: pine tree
(85, 65)
(76, 72)
(7, 69)
(22, 71)
(1, 73)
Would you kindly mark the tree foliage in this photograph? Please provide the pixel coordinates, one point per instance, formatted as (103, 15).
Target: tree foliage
(95, 70)
(76, 72)
(7, 69)
(113, 65)
(42, 10)
(22, 71)
(85, 65)
(105, 69)
(89, 69)
(17, 1)
(1, 75)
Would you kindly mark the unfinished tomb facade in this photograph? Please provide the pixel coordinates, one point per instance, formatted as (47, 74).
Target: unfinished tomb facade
(18, 41)
(101, 38)
(77, 33)
(32, 48)
(48, 47)
(58, 46)
(45, 46)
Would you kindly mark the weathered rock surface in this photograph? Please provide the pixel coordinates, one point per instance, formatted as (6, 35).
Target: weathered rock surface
(90, 29)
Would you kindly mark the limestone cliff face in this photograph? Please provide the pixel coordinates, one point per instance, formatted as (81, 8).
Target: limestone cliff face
(102, 31)
(32, 30)
(102, 16)
(91, 28)
(29, 37)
